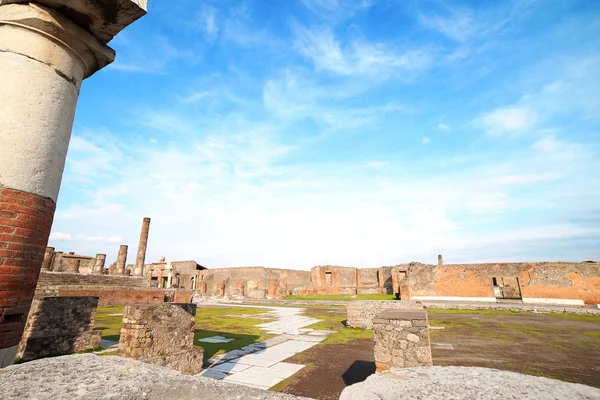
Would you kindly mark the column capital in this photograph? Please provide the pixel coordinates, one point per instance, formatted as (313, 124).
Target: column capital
(103, 18)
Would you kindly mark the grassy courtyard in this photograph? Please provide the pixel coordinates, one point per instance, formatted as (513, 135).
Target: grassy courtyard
(560, 346)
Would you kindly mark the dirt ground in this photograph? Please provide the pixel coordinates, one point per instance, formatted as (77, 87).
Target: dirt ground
(565, 348)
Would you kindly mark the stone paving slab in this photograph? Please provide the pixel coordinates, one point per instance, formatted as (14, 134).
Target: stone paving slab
(253, 379)
(230, 367)
(280, 370)
(261, 365)
(442, 346)
(216, 339)
(258, 362)
(213, 374)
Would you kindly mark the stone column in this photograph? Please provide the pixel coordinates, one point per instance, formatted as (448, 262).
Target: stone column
(141, 253)
(73, 265)
(121, 259)
(47, 48)
(440, 260)
(99, 264)
(48, 256)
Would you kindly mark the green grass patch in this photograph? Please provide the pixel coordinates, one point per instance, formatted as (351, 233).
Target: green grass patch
(224, 321)
(109, 322)
(337, 322)
(475, 312)
(595, 319)
(343, 297)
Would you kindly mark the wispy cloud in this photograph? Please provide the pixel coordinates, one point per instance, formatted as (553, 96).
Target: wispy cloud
(506, 121)
(358, 56)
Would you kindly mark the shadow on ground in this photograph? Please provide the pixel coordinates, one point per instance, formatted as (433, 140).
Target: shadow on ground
(358, 372)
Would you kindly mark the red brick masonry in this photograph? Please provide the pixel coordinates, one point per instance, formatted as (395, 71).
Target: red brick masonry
(25, 222)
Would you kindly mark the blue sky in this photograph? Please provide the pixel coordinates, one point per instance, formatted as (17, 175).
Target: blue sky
(367, 133)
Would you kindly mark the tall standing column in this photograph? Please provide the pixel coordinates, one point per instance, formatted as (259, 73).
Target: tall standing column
(121, 259)
(44, 57)
(141, 253)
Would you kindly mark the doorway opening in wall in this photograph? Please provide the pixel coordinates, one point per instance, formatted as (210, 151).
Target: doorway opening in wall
(328, 279)
(507, 288)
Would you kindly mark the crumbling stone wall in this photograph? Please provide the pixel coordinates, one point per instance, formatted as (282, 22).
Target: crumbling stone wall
(161, 335)
(59, 325)
(538, 281)
(362, 312)
(252, 282)
(401, 340)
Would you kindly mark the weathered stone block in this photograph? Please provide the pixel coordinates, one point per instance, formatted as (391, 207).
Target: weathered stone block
(361, 313)
(406, 344)
(162, 335)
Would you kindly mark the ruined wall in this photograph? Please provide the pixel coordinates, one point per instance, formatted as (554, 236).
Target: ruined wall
(59, 325)
(253, 282)
(538, 282)
(118, 297)
(161, 335)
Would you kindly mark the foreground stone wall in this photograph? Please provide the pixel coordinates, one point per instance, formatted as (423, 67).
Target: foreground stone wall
(401, 340)
(161, 335)
(362, 312)
(59, 325)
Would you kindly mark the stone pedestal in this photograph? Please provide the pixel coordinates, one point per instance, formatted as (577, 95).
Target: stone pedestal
(162, 335)
(401, 340)
(60, 325)
(141, 253)
(47, 48)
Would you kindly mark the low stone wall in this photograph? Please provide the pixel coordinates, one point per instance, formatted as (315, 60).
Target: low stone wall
(362, 312)
(401, 340)
(118, 297)
(59, 325)
(161, 335)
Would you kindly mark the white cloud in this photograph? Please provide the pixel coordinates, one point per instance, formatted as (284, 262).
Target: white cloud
(358, 57)
(193, 98)
(425, 140)
(508, 121)
(59, 236)
(442, 127)
(208, 16)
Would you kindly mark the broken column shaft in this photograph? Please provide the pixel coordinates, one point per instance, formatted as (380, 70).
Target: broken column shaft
(121, 260)
(141, 253)
(47, 48)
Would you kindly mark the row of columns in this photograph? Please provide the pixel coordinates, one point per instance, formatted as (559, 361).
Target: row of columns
(47, 49)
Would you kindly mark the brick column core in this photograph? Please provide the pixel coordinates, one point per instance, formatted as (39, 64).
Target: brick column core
(25, 222)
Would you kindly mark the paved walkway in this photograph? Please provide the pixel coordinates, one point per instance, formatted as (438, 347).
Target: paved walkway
(261, 365)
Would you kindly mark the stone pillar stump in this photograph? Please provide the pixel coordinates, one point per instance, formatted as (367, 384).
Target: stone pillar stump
(401, 340)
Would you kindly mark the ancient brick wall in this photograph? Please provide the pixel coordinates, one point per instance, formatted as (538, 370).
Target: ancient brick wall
(60, 325)
(253, 282)
(161, 335)
(401, 340)
(25, 222)
(360, 313)
(118, 297)
(557, 282)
